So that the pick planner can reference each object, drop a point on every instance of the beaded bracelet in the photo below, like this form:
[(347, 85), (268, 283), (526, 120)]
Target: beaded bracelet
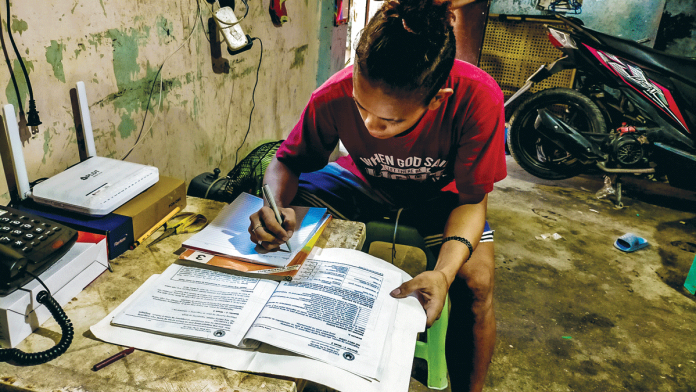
[(462, 240)]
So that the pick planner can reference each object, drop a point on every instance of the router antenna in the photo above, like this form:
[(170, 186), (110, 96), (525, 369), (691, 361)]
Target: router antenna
[(15, 142), (87, 134)]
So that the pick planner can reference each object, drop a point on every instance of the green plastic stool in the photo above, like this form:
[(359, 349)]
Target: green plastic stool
[(433, 349), (690, 283)]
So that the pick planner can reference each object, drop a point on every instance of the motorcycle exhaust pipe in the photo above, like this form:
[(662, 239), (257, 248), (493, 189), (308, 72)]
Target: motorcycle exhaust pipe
[(605, 169), (565, 137)]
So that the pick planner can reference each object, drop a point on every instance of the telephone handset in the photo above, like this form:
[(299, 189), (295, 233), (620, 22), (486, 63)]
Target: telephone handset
[(29, 244)]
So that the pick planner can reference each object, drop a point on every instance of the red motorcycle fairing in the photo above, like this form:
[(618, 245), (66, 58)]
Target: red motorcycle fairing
[(635, 77)]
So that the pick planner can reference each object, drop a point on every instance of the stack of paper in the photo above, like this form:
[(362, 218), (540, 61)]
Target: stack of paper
[(228, 235)]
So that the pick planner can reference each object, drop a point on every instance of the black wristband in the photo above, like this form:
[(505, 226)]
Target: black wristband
[(462, 240)]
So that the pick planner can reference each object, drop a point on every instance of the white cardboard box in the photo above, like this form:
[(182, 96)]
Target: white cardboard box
[(21, 314)]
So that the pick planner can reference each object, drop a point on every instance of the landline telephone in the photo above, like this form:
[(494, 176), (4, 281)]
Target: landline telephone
[(29, 245)]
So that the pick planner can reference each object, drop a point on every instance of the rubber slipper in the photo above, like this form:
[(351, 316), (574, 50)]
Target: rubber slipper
[(630, 242)]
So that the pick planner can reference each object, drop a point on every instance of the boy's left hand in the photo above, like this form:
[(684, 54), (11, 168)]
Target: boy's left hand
[(430, 287)]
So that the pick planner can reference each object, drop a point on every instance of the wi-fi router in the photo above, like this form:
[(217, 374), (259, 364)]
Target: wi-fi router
[(95, 187)]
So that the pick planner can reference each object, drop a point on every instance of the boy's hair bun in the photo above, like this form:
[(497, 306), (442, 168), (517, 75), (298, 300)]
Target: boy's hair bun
[(420, 16), (408, 47)]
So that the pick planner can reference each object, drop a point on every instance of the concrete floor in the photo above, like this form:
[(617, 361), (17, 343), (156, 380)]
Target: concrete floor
[(576, 314)]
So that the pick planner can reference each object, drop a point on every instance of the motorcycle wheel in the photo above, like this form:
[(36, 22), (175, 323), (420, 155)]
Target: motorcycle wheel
[(534, 152)]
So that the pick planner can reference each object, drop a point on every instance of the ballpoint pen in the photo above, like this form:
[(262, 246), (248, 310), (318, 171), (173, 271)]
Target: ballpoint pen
[(268, 195)]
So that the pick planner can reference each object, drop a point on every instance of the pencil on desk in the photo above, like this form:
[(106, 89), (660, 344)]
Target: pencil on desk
[(112, 359), (155, 227)]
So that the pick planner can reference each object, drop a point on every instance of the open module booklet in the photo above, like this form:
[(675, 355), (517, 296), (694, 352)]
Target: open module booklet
[(337, 311)]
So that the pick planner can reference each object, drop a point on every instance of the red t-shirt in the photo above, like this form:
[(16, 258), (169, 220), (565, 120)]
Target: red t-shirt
[(463, 140)]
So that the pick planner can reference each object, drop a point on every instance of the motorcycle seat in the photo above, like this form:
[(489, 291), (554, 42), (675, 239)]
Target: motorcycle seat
[(683, 68)]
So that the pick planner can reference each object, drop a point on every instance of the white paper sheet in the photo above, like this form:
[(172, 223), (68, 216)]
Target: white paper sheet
[(200, 304), (325, 312), (228, 233), (397, 357)]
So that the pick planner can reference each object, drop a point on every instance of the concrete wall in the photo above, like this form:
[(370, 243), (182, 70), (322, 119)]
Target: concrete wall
[(630, 19), (676, 34), (116, 47), (333, 41), (360, 13)]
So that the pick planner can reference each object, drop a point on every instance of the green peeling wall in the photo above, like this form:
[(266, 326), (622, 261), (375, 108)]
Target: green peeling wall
[(151, 75)]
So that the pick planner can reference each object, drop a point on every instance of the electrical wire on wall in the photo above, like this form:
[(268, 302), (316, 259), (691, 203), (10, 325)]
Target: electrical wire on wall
[(253, 104), (22, 118), (253, 101), (33, 115), (140, 138)]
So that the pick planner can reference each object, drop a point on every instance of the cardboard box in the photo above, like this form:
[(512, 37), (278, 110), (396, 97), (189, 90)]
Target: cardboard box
[(118, 229), (127, 223), (151, 206), (21, 314)]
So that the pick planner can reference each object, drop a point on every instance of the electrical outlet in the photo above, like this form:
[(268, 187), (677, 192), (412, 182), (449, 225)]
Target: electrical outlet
[(231, 30)]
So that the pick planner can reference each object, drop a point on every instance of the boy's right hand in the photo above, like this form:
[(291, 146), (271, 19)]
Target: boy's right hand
[(265, 230)]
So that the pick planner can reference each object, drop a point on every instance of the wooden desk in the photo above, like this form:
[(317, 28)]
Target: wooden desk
[(140, 371)]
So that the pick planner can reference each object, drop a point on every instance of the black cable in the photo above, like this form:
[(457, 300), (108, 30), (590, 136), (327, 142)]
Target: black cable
[(20, 357), (19, 57), (32, 114), (396, 226), (253, 102), (245, 11), (9, 67), (149, 98), (38, 181), (147, 108), (207, 33)]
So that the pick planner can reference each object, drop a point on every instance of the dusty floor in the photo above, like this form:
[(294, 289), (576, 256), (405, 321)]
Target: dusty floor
[(576, 314)]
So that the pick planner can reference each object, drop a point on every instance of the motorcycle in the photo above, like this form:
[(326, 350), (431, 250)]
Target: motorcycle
[(632, 111)]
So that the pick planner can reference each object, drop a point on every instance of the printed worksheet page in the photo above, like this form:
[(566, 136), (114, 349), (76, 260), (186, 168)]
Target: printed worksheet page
[(333, 311), (199, 304)]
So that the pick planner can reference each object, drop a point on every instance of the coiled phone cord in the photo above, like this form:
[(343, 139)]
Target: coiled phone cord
[(20, 357)]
